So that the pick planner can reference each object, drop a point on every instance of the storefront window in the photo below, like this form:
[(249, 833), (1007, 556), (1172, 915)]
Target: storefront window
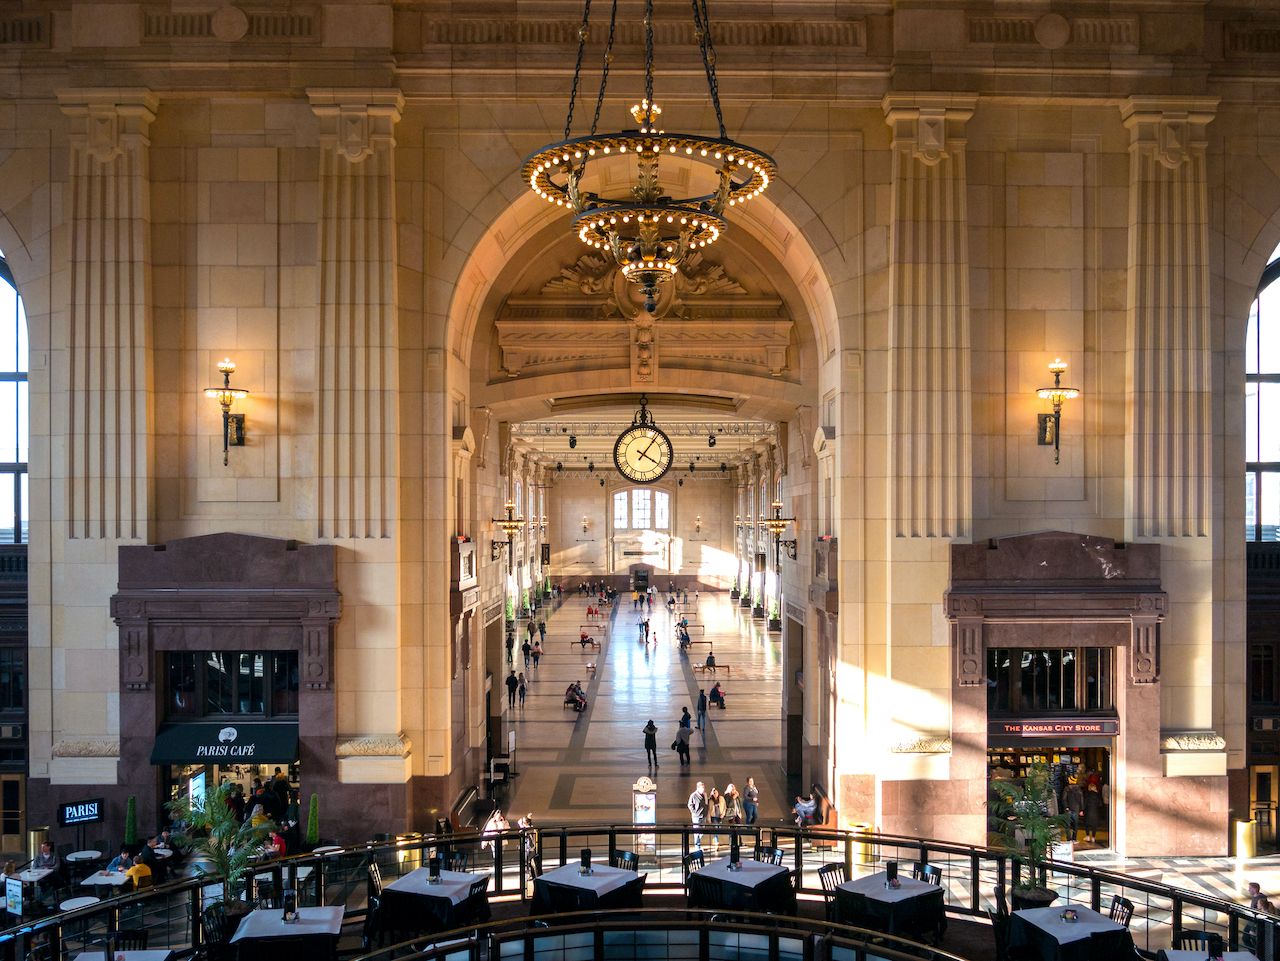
[(1262, 673), (1049, 680), (231, 683)]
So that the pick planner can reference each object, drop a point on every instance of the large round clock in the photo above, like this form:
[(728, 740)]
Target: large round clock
[(642, 452)]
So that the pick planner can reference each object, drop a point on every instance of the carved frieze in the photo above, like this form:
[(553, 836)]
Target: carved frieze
[(374, 745), (87, 747), (923, 744), (1193, 741)]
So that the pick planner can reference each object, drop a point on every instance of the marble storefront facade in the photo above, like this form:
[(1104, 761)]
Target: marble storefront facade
[(329, 194)]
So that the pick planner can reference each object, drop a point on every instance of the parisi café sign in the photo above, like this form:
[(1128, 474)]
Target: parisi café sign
[(1053, 727), (196, 743)]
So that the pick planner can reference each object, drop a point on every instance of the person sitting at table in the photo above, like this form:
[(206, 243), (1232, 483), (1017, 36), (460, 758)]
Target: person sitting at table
[(584, 639), (276, 844), (258, 816), (711, 661), (573, 695), (151, 858), (804, 810), (137, 872), (46, 858), (122, 861), (716, 697), (685, 642)]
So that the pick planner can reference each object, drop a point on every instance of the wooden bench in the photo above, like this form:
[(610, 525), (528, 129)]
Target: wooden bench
[(599, 626), (703, 669), (591, 643)]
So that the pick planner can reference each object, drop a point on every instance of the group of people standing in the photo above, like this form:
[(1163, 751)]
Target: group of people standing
[(728, 807)]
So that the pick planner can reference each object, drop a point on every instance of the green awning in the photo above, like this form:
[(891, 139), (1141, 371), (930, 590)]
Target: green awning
[(231, 742)]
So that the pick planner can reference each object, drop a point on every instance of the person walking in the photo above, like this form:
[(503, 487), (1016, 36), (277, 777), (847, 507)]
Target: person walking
[(1093, 820), (702, 709), (1073, 806), (511, 645), (513, 685), (537, 653), (697, 805), (686, 720), (542, 630), (526, 649), (651, 744), (750, 801), (522, 691), (681, 743)]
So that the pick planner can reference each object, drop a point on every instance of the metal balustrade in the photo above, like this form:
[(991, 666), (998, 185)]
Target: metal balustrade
[(171, 912)]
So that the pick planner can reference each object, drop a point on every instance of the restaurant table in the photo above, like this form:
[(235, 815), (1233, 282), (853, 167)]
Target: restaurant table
[(411, 904), (263, 934), (326, 849), (108, 878), (32, 875), (162, 853), (759, 886), (150, 954), (913, 907), (72, 904), (566, 889), (83, 856), (1043, 933), (1184, 954)]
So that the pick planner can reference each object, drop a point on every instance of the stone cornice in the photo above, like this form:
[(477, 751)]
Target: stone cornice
[(374, 745), (87, 747)]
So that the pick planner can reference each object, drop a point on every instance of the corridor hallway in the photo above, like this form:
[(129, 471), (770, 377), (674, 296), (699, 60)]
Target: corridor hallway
[(580, 767)]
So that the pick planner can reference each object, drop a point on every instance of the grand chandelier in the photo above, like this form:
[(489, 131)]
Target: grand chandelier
[(647, 231)]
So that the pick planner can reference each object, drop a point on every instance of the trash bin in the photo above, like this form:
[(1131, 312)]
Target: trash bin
[(35, 838), (858, 850), (1246, 838)]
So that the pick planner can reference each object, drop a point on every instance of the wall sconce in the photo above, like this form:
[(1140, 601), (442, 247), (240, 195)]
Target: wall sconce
[(1049, 426), (697, 524), (508, 525), (584, 523), (226, 395), (775, 525)]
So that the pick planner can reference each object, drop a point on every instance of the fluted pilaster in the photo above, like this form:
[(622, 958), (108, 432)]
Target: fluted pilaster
[(356, 366), (1170, 390), (930, 460), (108, 470)]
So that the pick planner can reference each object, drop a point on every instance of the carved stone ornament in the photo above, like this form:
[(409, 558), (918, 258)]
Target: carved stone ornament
[(106, 123), (355, 124), (923, 744), (374, 745), (595, 275), (1193, 741), (644, 785), (87, 747)]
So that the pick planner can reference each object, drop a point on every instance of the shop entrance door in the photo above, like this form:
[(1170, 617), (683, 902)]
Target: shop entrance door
[(13, 803)]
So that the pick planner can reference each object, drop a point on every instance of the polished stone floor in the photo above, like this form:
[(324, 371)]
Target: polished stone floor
[(580, 767)]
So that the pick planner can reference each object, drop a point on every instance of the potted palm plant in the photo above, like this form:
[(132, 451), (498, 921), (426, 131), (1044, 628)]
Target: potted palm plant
[(1032, 831), (222, 845), (775, 617)]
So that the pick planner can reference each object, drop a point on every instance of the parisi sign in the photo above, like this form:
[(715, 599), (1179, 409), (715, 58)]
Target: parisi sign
[(226, 746), (80, 812)]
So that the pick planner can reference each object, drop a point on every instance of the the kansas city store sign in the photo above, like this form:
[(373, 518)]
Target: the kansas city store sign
[(226, 746), (1052, 727)]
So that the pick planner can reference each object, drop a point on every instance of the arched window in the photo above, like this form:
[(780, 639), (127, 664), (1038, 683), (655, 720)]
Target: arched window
[(13, 411), (1262, 400), (641, 508)]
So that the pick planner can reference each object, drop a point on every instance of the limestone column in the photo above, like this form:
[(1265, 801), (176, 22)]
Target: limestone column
[(356, 366), (108, 375), (1169, 391), (930, 454)]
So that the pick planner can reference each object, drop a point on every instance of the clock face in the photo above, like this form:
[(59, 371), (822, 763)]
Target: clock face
[(642, 454)]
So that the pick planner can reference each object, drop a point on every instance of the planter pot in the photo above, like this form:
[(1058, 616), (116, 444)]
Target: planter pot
[(735, 594), (744, 602), (775, 625), (1032, 898), (757, 612)]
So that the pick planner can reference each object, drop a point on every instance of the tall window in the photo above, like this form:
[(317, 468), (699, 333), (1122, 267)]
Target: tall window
[(1262, 393), (641, 509), (261, 683), (1069, 680), (13, 411)]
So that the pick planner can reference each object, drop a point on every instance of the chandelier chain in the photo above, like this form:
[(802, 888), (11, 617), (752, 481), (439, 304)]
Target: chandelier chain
[(604, 68), (702, 24), (577, 67), (648, 51)]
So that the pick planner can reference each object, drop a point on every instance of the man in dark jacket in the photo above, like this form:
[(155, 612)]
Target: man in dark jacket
[(697, 805), (513, 684)]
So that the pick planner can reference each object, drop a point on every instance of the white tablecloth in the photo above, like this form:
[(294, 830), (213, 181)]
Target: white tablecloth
[(601, 880), (83, 855), (1200, 955), (151, 954), (1049, 920), (753, 873), (454, 885), (109, 878), (267, 923), (873, 887), (31, 875), (73, 904)]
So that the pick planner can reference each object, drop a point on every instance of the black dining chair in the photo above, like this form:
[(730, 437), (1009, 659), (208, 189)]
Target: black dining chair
[(702, 891), (1121, 910), (1211, 941), (478, 898), (627, 860), (927, 873), (130, 939), (213, 925), (769, 855), (1000, 925), (375, 880), (694, 859), (831, 876), (455, 861)]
